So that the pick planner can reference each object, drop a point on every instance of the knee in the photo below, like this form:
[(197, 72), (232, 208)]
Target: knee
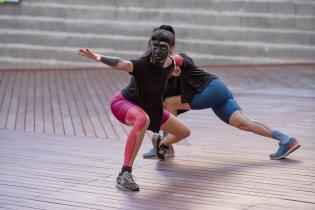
[(184, 133), (142, 121)]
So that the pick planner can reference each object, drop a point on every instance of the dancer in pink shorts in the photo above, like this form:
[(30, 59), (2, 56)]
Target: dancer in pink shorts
[(140, 104)]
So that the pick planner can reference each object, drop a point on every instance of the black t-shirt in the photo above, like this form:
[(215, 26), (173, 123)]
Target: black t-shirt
[(147, 87), (173, 87), (191, 81)]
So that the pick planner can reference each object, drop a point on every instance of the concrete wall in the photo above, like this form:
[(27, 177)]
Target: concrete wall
[(46, 33)]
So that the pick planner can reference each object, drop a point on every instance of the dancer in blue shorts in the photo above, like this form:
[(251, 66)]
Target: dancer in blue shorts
[(202, 90)]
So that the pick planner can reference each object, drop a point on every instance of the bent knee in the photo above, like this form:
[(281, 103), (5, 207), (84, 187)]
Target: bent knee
[(184, 133), (142, 121)]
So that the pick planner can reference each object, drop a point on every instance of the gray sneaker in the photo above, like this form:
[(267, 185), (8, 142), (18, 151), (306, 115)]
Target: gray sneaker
[(126, 181)]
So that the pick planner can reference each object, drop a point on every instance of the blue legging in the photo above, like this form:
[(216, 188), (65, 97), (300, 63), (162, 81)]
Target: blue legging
[(217, 96)]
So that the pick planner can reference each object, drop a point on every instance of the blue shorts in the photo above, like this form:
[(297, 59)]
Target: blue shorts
[(217, 96)]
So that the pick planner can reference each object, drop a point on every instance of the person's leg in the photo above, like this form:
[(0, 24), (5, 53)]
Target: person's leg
[(214, 94), (151, 153), (239, 120), (129, 114), (140, 122), (287, 144), (173, 105), (231, 113), (176, 131), (218, 97)]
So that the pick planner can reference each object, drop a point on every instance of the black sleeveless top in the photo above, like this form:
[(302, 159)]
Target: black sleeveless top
[(192, 80), (147, 87)]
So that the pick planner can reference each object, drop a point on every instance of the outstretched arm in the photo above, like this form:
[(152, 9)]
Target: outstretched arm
[(115, 62)]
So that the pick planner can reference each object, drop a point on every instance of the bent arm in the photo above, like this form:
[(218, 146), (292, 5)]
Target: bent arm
[(115, 62)]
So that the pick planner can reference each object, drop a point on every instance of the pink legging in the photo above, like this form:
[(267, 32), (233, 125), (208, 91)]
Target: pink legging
[(125, 110)]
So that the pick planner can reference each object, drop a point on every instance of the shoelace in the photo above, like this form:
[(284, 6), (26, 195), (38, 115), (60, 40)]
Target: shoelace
[(162, 150), (129, 177)]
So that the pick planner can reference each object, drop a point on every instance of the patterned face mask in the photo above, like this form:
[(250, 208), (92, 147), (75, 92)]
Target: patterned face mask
[(159, 52)]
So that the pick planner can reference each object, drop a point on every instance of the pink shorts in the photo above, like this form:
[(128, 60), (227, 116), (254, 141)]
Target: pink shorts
[(120, 105)]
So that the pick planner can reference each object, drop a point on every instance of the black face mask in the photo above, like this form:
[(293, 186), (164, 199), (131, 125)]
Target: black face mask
[(159, 52)]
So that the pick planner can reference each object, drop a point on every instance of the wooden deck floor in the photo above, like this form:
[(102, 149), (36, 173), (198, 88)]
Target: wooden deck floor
[(61, 148)]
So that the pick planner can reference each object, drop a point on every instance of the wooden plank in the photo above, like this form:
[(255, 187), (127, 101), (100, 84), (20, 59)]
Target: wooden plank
[(73, 109), (21, 112), (94, 96), (39, 113), (87, 124), (2, 85), (6, 102), (90, 106), (2, 74), (5, 79), (12, 113), (104, 97), (47, 104), (55, 104), (30, 107), (64, 107)]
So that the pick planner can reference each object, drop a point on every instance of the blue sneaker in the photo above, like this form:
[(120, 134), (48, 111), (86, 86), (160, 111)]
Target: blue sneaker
[(150, 154), (285, 149)]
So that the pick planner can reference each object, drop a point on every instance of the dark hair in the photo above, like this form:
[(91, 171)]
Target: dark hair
[(165, 27), (164, 35)]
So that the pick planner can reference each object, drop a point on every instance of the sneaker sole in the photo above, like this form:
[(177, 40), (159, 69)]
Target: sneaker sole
[(169, 155), (152, 157), (295, 147), (121, 187)]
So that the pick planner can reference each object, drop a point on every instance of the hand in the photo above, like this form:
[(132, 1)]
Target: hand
[(176, 71), (89, 54)]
